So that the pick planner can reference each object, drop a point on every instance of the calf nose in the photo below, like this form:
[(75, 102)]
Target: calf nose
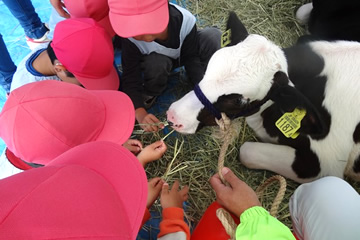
[(170, 116), (172, 120)]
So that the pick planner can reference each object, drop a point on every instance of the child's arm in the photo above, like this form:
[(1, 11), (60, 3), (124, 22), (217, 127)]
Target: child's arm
[(173, 225), (154, 188), (255, 222), (131, 80), (190, 57), (132, 84)]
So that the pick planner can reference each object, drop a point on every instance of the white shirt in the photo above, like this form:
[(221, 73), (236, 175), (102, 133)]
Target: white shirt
[(22, 76)]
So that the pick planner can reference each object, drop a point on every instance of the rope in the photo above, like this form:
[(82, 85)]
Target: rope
[(224, 124), (227, 221), (224, 216), (279, 196)]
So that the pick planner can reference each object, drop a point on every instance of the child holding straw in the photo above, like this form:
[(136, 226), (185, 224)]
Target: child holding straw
[(158, 37), (41, 120)]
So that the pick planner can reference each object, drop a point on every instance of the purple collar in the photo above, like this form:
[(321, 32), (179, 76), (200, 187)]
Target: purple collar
[(211, 108), (208, 105)]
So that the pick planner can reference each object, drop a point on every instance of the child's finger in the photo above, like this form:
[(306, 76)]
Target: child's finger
[(161, 146), (155, 181), (137, 143), (175, 186), (184, 191), (185, 197), (165, 188), (158, 186)]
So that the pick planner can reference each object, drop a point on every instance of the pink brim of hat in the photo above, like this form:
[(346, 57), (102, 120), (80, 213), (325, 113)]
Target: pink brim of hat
[(16, 161), (120, 116), (109, 82), (134, 25), (96, 190)]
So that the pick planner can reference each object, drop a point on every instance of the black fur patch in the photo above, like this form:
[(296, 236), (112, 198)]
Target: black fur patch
[(306, 164), (232, 105), (335, 20), (356, 166), (356, 135), (304, 67), (238, 30)]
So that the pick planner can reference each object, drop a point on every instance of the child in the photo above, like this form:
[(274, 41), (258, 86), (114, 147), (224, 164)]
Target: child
[(81, 53), (96, 190), (95, 9), (325, 209), (7, 67), (41, 120), (172, 225), (36, 32), (160, 37), (75, 197)]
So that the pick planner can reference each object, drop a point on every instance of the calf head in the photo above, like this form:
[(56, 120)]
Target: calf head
[(238, 79)]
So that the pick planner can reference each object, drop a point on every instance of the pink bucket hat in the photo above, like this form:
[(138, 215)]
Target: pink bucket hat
[(86, 50), (131, 18), (41, 120), (96, 190), (96, 9)]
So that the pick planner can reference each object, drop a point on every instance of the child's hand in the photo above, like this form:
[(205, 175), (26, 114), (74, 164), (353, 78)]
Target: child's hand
[(152, 152), (173, 197), (237, 197), (133, 146), (148, 121), (154, 188)]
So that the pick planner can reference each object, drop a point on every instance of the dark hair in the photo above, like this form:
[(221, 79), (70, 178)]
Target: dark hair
[(52, 56)]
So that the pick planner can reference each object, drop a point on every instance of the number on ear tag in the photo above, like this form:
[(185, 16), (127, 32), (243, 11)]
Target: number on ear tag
[(226, 38), (289, 123)]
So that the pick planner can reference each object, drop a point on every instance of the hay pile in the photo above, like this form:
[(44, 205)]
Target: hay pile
[(193, 158)]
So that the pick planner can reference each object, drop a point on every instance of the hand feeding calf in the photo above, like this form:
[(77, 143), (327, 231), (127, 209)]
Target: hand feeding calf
[(314, 87)]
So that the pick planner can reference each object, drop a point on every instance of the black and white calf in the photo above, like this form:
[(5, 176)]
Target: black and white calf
[(258, 79)]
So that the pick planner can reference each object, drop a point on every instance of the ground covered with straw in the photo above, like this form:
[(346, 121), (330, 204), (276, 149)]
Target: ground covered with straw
[(193, 158)]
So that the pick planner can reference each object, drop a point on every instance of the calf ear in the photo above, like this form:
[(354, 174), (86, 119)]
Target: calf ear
[(238, 30), (287, 98)]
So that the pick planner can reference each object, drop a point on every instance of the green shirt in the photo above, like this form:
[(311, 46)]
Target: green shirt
[(257, 224)]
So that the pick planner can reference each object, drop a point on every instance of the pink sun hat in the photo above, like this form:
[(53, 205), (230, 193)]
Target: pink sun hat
[(96, 9), (85, 49), (96, 190), (41, 120), (131, 18)]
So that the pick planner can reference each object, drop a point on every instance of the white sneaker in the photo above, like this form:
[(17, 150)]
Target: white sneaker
[(303, 13), (33, 43)]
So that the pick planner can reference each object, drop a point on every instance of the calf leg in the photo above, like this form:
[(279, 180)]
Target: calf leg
[(280, 159)]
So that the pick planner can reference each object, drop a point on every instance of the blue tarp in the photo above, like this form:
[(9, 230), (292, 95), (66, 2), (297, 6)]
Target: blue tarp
[(14, 37)]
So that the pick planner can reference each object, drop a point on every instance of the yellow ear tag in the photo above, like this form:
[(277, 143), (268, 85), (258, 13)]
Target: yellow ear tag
[(226, 38), (289, 123)]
